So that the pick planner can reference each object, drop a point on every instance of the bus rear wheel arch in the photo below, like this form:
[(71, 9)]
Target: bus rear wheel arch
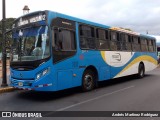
[(141, 70), (89, 79)]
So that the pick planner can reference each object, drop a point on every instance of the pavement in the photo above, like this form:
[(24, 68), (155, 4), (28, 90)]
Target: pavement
[(6, 88)]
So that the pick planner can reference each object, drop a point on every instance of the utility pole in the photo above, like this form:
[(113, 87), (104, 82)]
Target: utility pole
[(4, 77)]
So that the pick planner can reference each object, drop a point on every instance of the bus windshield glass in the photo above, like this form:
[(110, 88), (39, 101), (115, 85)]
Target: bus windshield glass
[(30, 44)]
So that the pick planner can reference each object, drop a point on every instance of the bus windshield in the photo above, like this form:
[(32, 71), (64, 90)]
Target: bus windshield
[(30, 44)]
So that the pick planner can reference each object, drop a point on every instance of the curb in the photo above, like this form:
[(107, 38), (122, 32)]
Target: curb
[(7, 89)]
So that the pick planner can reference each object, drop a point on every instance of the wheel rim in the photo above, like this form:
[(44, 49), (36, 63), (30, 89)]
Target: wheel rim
[(88, 79)]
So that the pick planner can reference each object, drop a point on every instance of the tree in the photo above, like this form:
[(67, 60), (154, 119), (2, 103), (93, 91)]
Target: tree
[(9, 22)]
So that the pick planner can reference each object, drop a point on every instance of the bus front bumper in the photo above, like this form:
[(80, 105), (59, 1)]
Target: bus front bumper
[(31, 85)]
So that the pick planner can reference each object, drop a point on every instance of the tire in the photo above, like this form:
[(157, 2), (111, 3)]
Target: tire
[(141, 71), (88, 80)]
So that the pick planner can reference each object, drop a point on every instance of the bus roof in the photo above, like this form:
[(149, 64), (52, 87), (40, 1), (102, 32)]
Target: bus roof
[(52, 14), (78, 20)]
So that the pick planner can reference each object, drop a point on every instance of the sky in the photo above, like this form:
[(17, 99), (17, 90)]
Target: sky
[(139, 15)]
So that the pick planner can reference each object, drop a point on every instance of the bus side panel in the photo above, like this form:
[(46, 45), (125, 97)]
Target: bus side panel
[(117, 60), (64, 79), (93, 58), (151, 64), (132, 67), (68, 73), (127, 63), (77, 77), (104, 73)]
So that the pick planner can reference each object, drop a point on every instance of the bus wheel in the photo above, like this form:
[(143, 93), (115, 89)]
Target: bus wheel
[(141, 71), (88, 80)]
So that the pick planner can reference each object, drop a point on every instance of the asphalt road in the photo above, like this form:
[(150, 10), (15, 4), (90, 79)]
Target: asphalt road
[(123, 94)]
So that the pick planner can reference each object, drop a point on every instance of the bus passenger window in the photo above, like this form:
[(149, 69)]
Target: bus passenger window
[(119, 42), (87, 40), (128, 42), (107, 34), (102, 41), (150, 45), (56, 43), (144, 45), (113, 42), (123, 41), (154, 45), (63, 43), (114, 36), (64, 40), (135, 44)]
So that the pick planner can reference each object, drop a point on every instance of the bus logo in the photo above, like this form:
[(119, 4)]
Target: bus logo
[(116, 56), (21, 75)]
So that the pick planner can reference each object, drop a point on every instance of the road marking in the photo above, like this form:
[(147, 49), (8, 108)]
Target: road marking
[(65, 108), (107, 94)]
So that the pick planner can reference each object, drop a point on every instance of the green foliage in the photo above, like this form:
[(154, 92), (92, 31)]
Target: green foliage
[(9, 22)]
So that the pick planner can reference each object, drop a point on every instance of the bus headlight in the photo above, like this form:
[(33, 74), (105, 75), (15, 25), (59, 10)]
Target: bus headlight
[(38, 76), (45, 72), (42, 73)]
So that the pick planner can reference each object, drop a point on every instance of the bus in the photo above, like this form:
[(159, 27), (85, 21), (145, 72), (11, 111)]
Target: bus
[(52, 51), (158, 50)]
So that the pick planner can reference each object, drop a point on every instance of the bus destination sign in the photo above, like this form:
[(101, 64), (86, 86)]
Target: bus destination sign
[(27, 20)]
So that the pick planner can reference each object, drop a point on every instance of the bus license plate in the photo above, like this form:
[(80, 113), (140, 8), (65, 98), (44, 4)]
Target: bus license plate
[(20, 84)]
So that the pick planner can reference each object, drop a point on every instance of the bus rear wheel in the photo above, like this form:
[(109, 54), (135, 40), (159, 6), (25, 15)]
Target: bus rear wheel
[(88, 80), (141, 71)]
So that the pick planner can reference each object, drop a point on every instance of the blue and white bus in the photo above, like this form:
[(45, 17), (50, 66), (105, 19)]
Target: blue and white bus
[(53, 51)]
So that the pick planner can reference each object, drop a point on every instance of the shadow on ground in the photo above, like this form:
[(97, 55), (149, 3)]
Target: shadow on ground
[(50, 96)]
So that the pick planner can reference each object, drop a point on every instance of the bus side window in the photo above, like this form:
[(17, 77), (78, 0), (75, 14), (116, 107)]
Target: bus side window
[(102, 41), (150, 45), (123, 41), (144, 45), (135, 43), (119, 41), (128, 42), (87, 37), (113, 42), (63, 44), (64, 40), (154, 45), (56, 45)]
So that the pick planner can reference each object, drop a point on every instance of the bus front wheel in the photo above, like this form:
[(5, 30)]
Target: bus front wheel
[(141, 71), (88, 80)]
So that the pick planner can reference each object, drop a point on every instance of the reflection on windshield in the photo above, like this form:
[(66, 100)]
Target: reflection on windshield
[(30, 44)]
